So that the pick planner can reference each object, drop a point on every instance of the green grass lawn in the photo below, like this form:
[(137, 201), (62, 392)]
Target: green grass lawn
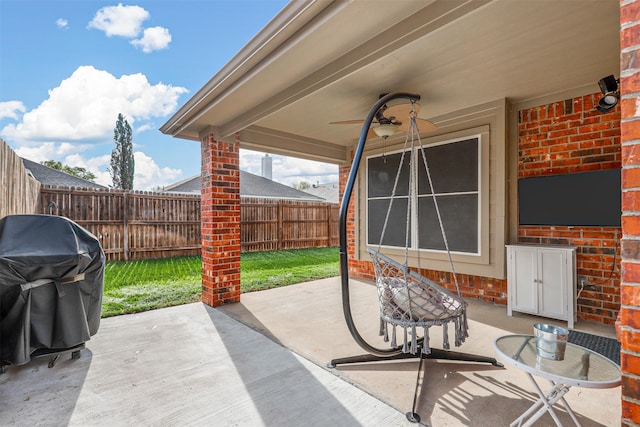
[(135, 286), (264, 270)]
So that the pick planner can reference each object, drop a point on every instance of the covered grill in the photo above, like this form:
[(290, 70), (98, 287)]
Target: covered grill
[(51, 283)]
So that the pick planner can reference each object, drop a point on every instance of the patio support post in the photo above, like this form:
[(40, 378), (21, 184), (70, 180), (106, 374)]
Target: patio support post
[(220, 220), (630, 279)]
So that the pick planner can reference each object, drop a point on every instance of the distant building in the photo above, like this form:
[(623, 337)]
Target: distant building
[(329, 192), (267, 166), (186, 186)]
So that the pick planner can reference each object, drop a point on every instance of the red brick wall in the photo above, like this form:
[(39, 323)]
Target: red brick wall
[(630, 288), (220, 222), (568, 137)]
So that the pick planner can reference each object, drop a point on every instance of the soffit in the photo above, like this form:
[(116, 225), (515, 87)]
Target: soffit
[(455, 54)]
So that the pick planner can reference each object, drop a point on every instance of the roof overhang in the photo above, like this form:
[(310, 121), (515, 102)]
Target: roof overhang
[(322, 61)]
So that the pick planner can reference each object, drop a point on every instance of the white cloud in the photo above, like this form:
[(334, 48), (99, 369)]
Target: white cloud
[(148, 175), (80, 114), (125, 21), (96, 165), (38, 154), (154, 38), (62, 23), (92, 164), (65, 148), (86, 105), (145, 127), (51, 151), (10, 109)]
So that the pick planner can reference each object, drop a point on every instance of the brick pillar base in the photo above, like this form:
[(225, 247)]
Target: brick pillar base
[(220, 221)]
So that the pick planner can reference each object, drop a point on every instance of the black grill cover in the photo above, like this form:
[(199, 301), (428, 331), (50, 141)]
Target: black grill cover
[(51, 282)]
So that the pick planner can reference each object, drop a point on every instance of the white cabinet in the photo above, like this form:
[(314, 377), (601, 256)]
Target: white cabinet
[(541, 280)]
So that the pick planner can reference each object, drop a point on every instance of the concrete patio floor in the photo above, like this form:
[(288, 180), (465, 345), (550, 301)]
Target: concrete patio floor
[(262, 362)]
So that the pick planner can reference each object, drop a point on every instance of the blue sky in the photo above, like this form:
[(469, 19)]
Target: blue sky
[(67, 68)]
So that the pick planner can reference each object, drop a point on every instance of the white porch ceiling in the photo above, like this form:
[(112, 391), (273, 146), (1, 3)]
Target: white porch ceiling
[(324, 61)]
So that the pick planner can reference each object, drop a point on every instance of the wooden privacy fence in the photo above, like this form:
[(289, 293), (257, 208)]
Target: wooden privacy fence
[(274, 224), (130, 224), (140, 225), (18, 191)]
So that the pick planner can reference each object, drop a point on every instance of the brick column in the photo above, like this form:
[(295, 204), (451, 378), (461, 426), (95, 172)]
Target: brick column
[(220, 221), (630, 286)]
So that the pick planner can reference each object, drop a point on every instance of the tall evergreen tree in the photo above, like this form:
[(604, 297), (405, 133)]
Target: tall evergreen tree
[(122, 162)]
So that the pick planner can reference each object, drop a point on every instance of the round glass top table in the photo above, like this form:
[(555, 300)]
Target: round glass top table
[(580, 367)]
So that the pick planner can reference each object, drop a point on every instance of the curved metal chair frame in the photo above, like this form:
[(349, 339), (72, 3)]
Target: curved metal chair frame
[(398, 289)]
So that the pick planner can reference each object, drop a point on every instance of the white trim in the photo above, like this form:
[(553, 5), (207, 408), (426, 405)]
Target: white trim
[(415, 197)]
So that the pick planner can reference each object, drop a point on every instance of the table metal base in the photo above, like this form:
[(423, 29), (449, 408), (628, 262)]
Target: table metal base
[(545, 404)]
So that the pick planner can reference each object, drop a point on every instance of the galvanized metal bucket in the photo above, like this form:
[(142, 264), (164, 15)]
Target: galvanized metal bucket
[(551, 341)]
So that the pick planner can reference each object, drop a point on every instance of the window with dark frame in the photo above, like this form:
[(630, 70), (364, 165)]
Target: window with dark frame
[(454, 167)]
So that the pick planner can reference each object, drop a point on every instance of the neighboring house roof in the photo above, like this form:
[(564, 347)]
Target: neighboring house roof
[(50, 176), (329, 192), (257, 186), (250, 186), (189, 185)]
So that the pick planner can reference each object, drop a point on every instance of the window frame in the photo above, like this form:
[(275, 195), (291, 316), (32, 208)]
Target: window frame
[(490, 262), (416, 165)]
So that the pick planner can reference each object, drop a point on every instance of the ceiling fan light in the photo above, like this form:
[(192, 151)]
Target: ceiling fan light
[(386, 130)]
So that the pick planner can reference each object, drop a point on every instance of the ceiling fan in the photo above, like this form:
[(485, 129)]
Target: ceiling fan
[(394, 119)]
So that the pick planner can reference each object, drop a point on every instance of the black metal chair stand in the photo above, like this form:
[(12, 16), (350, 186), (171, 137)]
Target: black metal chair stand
[(375, 354)]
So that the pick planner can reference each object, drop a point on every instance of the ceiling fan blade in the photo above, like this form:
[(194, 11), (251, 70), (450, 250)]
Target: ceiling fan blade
[(401, 113), (424, 125), (351, 122)]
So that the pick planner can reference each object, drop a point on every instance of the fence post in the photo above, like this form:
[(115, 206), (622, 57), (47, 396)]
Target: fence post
[(126, 226), (328, 207), (280, 231)]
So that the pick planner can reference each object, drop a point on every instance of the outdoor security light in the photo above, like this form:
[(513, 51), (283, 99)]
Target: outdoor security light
[(609, 87)]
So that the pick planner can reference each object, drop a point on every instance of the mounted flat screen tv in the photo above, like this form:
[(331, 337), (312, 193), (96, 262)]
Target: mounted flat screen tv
[(578, 199)]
